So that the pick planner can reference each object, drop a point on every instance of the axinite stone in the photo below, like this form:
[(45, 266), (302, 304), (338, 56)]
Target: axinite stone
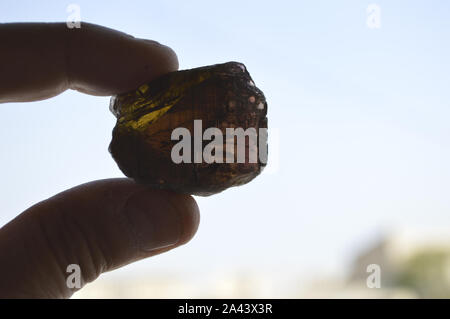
[(221, 96)]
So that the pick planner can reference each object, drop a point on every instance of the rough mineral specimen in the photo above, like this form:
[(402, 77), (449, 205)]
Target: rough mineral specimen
[(221, 96)]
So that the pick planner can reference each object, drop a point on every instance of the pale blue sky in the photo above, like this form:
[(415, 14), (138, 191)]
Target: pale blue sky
[(362, 113)]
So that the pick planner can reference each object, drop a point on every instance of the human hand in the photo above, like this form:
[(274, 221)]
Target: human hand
[(101, 225)]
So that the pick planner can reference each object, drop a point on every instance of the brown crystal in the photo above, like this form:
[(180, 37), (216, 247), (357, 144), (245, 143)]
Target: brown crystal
[(222, 96)]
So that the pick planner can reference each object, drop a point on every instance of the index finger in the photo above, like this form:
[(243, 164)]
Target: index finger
[(41, 60)]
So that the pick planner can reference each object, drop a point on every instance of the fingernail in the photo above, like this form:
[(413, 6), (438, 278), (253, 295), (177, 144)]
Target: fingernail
[(156, 44), (152, 42), (155, 222)]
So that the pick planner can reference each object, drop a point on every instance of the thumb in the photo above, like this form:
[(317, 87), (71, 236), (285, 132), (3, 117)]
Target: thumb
[(98, 226)]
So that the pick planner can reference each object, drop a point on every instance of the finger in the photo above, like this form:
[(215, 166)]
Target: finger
[(98, 226), (41, 60)]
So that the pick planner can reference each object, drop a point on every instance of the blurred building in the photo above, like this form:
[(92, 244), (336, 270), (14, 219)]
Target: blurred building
[(413, 263), (412, 260)]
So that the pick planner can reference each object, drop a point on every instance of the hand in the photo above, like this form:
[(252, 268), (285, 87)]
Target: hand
[(101, 225)]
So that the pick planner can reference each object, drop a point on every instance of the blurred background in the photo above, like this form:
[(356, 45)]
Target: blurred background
[(358, 179)]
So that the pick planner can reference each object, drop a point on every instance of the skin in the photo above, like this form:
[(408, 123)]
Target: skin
[(101, 225)]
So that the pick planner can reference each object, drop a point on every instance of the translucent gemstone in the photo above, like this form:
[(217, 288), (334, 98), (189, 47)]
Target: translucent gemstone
[(218, 95)]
